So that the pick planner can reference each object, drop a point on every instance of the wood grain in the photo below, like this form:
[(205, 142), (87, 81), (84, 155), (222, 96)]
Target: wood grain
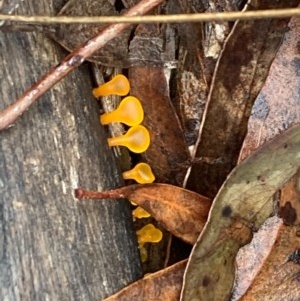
[(51, 246)]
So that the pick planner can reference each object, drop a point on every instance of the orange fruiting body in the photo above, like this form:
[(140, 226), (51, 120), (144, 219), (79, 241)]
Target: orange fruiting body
[(140, 212), (119, 85), (141, 173), (137, 139), (129, 112), (149, 234)]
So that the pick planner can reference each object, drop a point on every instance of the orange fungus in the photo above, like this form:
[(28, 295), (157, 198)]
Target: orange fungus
[(149, 234), (137, 139), (141, 173), (119, 85), (140, 212), (129, 112)]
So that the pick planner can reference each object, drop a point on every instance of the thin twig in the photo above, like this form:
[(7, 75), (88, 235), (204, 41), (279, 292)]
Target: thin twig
[(201, 17), (73, 60), (98, 195)]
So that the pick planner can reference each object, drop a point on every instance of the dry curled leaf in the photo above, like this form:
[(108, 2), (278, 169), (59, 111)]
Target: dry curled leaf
[(243, 203), (180, 211), (164, 285)]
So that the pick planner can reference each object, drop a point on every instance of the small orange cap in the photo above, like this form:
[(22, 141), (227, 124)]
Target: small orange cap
[(137, 139), (141, 173), (119, 85), (149, 234), (129, 112)]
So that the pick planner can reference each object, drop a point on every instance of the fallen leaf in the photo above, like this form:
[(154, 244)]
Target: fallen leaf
[(168, 154), (242, 205), (252, 257), (280, 275), (200, 45), (277, 106), (275, 109), (180, 211), (275, 274), (164, 285), (289, 205), (239, 75)]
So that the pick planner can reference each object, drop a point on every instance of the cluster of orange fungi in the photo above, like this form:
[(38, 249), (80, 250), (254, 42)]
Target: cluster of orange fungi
[(137, 140)]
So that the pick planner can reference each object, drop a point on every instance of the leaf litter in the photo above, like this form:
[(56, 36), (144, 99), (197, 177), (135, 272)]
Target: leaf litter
[(242, 205), (180, 211), (239, 231)]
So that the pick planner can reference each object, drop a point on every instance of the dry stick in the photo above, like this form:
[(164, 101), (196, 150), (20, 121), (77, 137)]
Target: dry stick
[(73, 60), (97, 195), (178, 18)]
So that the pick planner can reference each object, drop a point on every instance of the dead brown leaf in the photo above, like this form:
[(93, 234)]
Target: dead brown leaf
[(167, 154), (180, 211), (243, 203), (200, 45), (279, 277), (277, 106), (289, 205), (252, 257), (164, 285), (240, 74), (275, 109)]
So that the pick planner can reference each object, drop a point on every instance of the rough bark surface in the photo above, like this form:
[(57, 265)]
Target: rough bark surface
[(53, 247)]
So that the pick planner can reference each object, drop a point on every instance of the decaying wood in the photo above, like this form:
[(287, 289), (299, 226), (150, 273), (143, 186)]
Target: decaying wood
[(51, 246), (69, 63), (114, 53)]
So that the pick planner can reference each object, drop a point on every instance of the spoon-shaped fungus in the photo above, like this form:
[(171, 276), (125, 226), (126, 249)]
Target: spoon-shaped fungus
[(137, 139), (130, 112), (119, 85), (149, 234), (140, 212), (141, 173)]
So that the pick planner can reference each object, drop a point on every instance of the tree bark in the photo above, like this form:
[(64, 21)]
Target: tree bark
[(53, 247)]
